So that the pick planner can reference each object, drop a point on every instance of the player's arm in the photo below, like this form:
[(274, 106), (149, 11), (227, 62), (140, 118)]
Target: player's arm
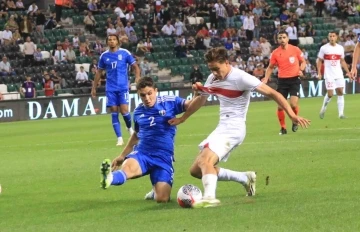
[(116, 163), (193, 106), (355, 59), (346, 68), (268, 73), (96, 81), (283, 103), (319, 63), (137, 71)]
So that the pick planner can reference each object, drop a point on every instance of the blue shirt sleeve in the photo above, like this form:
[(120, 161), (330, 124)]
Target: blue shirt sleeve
[(358, 39), (179, 105), (130, 59), (101, 63)]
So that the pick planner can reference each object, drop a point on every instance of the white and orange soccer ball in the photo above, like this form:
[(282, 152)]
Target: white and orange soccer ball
[(187, 195)]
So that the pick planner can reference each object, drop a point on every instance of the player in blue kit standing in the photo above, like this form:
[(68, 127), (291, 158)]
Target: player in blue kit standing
[(150, 150), (115, 62)]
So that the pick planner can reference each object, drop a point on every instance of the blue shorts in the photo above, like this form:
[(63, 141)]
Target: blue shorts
[(160, 168), (116, 98)]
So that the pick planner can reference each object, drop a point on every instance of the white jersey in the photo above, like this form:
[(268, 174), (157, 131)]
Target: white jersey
[(233, 93), (332, 56)]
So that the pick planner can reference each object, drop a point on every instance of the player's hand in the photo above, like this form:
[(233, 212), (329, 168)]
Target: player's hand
[(93, 92), (319, 76), (176, 121), (195, 86), (265, 80), (353, 73), (303, 122), (301, 74), (117, 162), (351, 77)]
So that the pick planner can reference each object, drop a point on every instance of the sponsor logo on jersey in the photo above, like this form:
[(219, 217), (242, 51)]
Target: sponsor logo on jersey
[(162, 112)]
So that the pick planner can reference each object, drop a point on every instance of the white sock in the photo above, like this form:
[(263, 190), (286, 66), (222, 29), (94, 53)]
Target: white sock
[(326, 102), (341, 104), (229, 175), (209, 182)]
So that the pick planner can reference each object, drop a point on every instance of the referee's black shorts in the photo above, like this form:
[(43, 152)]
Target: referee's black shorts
[(286, 86)]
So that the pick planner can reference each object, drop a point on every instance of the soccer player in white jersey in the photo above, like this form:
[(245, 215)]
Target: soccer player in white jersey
[(233, 88), (332, 55)]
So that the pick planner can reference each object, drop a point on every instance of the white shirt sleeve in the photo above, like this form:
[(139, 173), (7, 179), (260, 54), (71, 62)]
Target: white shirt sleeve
[(247, 82), (321, 53)]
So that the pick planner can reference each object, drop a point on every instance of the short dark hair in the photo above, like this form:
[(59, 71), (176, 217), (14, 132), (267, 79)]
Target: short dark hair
[(117, 38), (333, 32), (218, 54), (283, 32), (145, 82)]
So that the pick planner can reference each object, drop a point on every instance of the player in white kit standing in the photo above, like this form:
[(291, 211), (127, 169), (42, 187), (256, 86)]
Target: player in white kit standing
[(233, 87), (332, 54)]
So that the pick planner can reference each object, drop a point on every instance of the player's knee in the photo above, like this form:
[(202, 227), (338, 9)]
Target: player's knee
[(162, 198), (195, 171)]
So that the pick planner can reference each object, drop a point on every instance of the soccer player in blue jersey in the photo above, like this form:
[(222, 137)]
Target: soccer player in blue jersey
[(115, 62), (150, 150)]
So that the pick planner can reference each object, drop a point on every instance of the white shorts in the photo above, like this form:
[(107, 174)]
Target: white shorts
[(225, 138), (334, 83)]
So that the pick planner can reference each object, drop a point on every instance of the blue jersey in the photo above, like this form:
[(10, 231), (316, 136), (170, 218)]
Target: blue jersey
[(116, 66), (156, 135)]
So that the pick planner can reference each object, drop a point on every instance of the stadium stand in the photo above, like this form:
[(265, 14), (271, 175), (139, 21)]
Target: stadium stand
[(172, 35)]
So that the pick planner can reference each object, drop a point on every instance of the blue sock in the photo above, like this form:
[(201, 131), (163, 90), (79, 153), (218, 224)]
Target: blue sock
[(119, 178), (116, 123), (127, 119)]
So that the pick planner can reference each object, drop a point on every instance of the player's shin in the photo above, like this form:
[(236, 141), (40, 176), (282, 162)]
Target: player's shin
[(119, 177), (296, 110), (327, 100), (116, 123), (281, 117), (341, 104), (209, 182), (229, 175), (127, 120)]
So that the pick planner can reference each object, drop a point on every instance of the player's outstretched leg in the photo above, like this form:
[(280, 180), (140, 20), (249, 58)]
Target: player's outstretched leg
[(341, 105), (281, 117), (206, 162), (327, 100), (109, 178), (247, 179)]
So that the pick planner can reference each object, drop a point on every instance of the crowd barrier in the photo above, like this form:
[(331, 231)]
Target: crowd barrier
[(83, 105)]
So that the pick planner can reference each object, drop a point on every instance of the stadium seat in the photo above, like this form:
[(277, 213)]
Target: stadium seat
[(86, 67), (167, 85), (302, 40), (309, 40), (11, 88), (155, 78), (45, 54), (38, 86), (161, 64), (3, 88), (28, 70)]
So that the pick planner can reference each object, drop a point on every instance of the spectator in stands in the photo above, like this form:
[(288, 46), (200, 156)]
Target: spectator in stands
[(141, 49), (7, 36), (148, 45), (221, 14), (56, 79), (310, 31), (165, 14), (349, 47), (130, 18), (50, 23), (145, 67), (3, 10), (356, 29), (98, 47), (284, 17), (11, 5), (133, 38), (59, 55), (90, 22), (92, 7), (32, 9), (302, 30), (181, 50), (124, 39), (12, 24), (128, 29), (203, 9), (265, 47), (25, 27), (249, 26), (16, 38), (92, 74), (255, 47), (5, 67), (40, 20), (178, 27), (48, 86), (266, 14), (191, 43), (331, 6), (29, 50), (120, 14), (292, 34), (229, 46), (82, 77), (111, 30), (213, 33), (257, 26), (259, 71), (300, 11), (39, 37), (213, 16), (38, 58), (168, 29), (70, 55), (66, 44), (199, 42), (94, 64), (20, 5), (28, 88), (75, 41), (230, 10)]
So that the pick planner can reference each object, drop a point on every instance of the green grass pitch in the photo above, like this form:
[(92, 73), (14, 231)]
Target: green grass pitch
[(49, 172)]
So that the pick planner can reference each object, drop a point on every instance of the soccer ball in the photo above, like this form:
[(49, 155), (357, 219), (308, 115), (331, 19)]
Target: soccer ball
[(187, 195)]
